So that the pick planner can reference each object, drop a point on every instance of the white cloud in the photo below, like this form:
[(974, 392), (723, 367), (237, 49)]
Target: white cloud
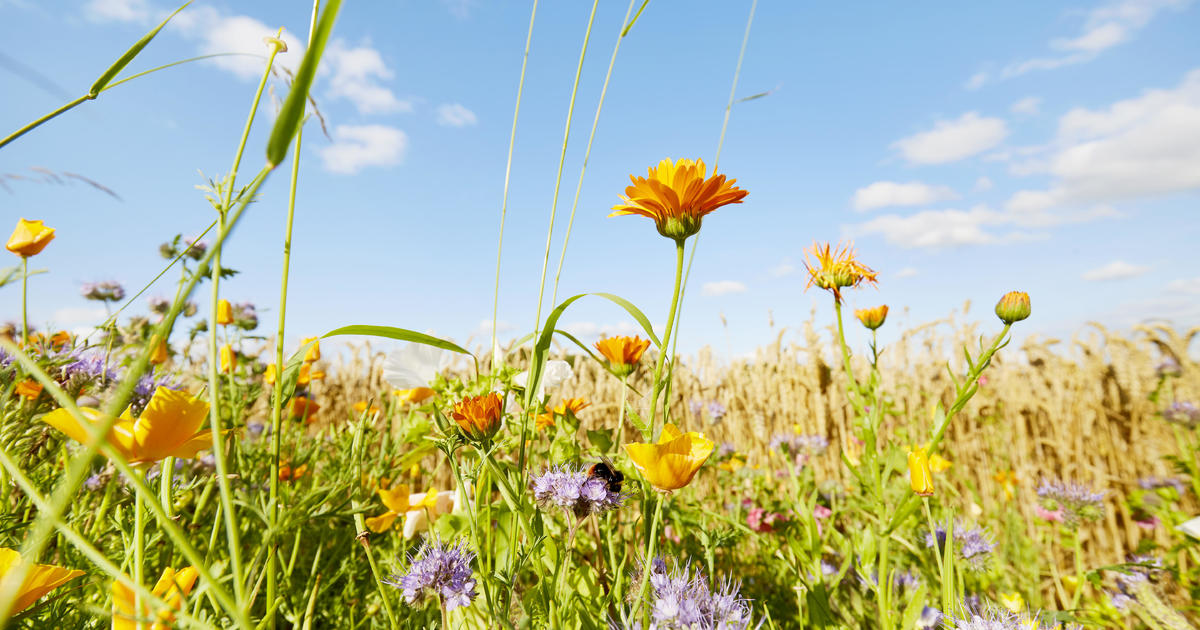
[(356, 75), (1115, 270), (216, 32), (1103, 28), (885, 194), (356, 147), (722, 287), (785, 268), (455, 115), (1139, 147), (953, 140), (1028, 106), (118, 10), (906, 272), (1185, 285), (983, 184), (80, 320), (979, 225), (485, 327)]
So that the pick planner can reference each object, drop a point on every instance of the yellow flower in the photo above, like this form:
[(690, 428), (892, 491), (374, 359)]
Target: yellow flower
[(571, 405), (314, 352), (168, 427), (872, 318), (361, 406), (677, 196), (416, 395), (224, 312), (398, 501), (671, 464), (479, 417), (623, 353), (29, 238), (269, 375), (835, 269), (172, 587), (1013, 307), (41, 579), (939, 464), (1008, 481), (919, 473), (228, 359), (304, 375), (733, 464), (1013, 602), (158, 355), (28, 389), (1070, 582)]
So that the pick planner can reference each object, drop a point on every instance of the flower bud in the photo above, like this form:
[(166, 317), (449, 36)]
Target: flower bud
[(919, 473), (872, 318), (228, 359), (1013, 307), (224, 312), (158, 356)]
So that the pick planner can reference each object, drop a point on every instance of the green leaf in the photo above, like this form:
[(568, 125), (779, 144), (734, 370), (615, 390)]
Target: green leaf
[(601, 439), (400, 334), (292, 112), (916, 604), (542, 348), (133, 51), (635, 312), (291, 370), (12, 274)]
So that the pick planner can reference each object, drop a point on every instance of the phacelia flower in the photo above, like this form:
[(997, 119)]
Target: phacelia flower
[(673, 461), (1013, 307), (622, 353), (441, 572), (41, 579), (29, 238), (1168, 367), (872, 318), (836, 269), (716, 410), (87, 370), (682, 599), (972, 545), (479, 417), (573, 490), (245, 316), (106, 291), (1155, 483), (1183, 413), (1077, 501), (677, 196), (989, 619), (799, 444)]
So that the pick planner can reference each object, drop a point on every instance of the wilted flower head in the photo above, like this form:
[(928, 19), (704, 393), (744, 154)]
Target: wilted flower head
[(574, 491), (682, 599), (972, 545), (677, 196), (196, 250), (158, 305), (835, 269), (107, 291), (1184, 413), (439, 571), (1077, 501)]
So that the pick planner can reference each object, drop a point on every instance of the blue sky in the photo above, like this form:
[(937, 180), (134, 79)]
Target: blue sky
[(968, 149)]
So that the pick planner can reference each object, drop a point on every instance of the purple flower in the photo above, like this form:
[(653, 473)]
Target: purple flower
[(1184, 412), (973, 545), (716, 410), (106, 291), (799, 444), (439, 570), (144, 390), (681, 598), (1154, 483), (87, 370), (1168, 367), (990, 619), (574, 491), (1076, 501)]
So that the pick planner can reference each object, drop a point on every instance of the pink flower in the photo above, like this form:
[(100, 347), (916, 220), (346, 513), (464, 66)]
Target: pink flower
[(1056, 516), (671, 535), (982, 380), (822, 512), (755, 520), (1148, 524)]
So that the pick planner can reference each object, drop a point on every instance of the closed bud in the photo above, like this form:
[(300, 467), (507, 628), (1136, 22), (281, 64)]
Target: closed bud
[(224, 312), (919, 473), (872, 318), (1013, 307), (159, 355), (228, 359)]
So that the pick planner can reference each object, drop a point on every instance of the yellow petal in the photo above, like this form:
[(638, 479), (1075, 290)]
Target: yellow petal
[(381, 523), (170, 419), (202, 441), (64, 421), (396, 499), (42, 579)]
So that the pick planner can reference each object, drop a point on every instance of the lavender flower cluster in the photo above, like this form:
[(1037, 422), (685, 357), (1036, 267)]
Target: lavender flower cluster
[(681, 598), (1077, 501), (799, 444), (106, 291), (972, 545), (1183, 413), (1154, 483), (574, 491), (441, 571)]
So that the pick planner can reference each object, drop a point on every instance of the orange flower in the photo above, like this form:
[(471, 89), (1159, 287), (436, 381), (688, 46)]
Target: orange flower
[(479, 417), (677, 196), (361, 406), (571, 405), (1008, 481), (172, 587), (41, 579), (29, 238), (224, 312), (623, 353), (287, 473), (872, 318), (304, 408), (836, 269), (28, 389), (60, 340), (416, 396), (314, 352)]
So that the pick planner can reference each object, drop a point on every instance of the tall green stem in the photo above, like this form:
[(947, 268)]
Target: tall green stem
[(664, 348), (648, 560), (24, 301), (139, 554), (1077, 547)]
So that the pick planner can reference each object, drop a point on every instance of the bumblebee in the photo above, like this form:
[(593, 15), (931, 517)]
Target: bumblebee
[(607, 472)]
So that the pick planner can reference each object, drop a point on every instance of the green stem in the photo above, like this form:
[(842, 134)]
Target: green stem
[(663, 349), (24, 300), (619, 434), (937, 554), (360, 522), (648, 560), (40, 121), (1077, 547), (139, 555)]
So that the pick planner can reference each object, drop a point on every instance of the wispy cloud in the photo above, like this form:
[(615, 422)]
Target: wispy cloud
[(906, 272), (785, 268), (1028, 106), (886, 194), (455, 115), (356, 76), (979, 225), (1115, 270), (953, 140), (722, 287), (356, 147)]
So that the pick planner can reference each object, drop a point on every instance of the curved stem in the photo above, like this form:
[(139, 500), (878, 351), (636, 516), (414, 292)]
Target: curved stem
[(664, 348), (648, 560)]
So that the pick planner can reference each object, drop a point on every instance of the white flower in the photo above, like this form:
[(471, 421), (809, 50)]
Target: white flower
[(413, 365), (418, 521), (555, 374), (1191, 528)]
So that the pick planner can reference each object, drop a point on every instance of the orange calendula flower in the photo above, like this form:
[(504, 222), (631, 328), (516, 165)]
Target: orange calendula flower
[(224, 312), (835, 269), (304, 408), (415, 396), (28, 389), (361, 406), (60, 340), (228, 359), (872, 318), (677, 196), (314, 351), (570, 405), (672, 463), (398, 501), (623, 353), (29, 238), (169, 426), (920, 475), (41, 579), (479, 417), (159, 355), (172, 587)]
